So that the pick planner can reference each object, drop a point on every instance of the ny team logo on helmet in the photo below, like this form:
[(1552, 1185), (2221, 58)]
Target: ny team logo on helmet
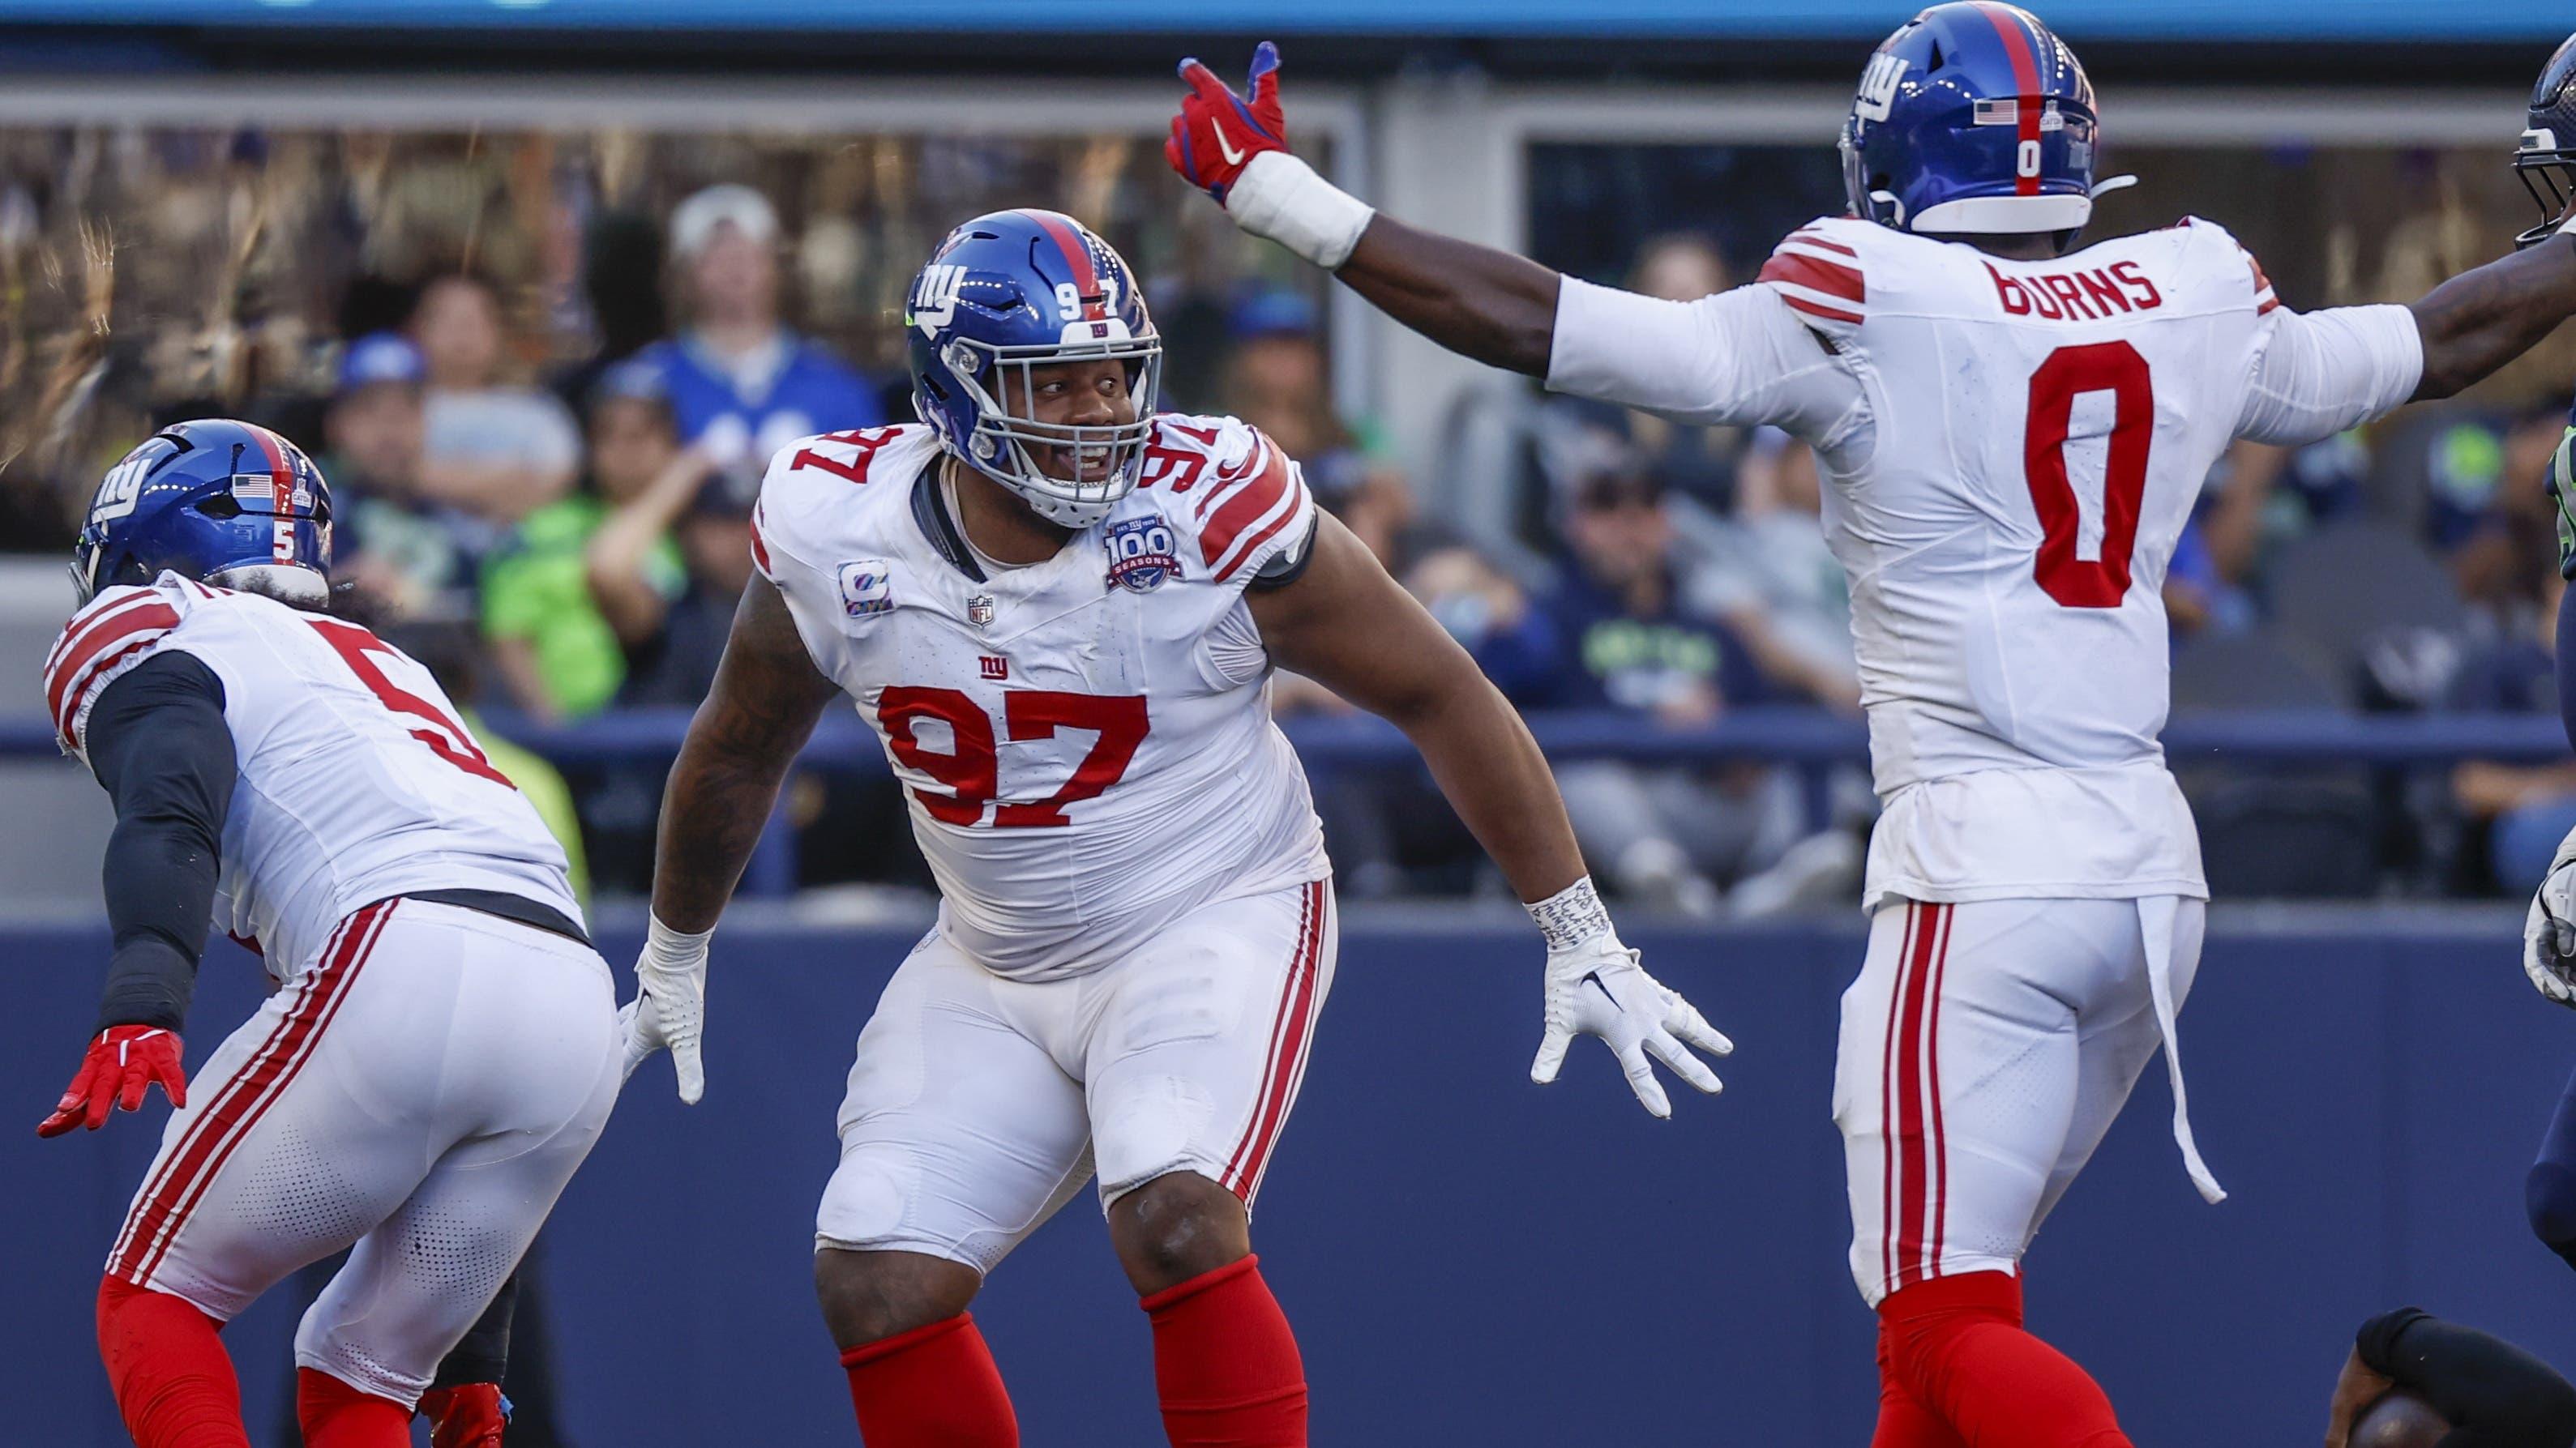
[(2546, 161), (1973, 118), (227, 503), (1010, 293)]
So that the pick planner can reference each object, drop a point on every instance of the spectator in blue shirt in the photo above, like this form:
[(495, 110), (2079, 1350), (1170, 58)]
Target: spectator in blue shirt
[(741, 384)]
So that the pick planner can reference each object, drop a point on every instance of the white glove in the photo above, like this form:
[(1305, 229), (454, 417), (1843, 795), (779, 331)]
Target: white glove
[(1595, 987), (670, 1005), (2549, 931)]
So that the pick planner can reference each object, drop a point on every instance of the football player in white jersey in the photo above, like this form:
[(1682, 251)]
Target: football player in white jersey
[(442, 1046), (2012, 431), (1060, 612)]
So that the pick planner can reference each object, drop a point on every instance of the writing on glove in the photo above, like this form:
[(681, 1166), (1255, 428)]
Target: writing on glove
[(116, 1071)]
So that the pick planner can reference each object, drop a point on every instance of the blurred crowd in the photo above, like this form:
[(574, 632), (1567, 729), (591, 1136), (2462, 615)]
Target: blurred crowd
[(544, 374)]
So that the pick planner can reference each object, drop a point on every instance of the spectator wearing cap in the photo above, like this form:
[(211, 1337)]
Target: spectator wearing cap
[(1630, 643), (585, 580), (1277, 380), (490, 447), (741, 385), (412, 557)]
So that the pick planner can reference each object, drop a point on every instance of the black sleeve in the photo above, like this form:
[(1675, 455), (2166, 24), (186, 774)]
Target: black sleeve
[(485, 1352), (2495, 1394), (157, 740)]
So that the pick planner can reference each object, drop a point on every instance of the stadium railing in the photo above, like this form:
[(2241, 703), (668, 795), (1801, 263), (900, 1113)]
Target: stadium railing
[(1812, 741)]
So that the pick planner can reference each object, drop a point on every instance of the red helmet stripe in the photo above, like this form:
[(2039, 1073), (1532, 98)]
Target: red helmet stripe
[(1077, 255), (2025, 64)]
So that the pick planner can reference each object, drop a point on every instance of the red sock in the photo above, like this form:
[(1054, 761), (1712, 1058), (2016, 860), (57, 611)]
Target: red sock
[(1226, 1363), (1956, 1344), (1903, 1421), (173, 1381), (932, 1387), (336, 1415)]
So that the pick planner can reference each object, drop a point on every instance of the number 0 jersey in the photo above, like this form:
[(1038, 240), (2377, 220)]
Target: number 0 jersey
[(2011, 450), (357, 782), (1085, 743)]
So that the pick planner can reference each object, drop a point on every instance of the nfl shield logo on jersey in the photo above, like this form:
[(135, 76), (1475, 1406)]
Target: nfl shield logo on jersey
[(866, 587), (1140, 553), (979, 610)]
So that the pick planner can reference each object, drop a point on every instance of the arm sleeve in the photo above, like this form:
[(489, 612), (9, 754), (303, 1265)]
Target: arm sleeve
[(484, 1353), (2322, 372), (2495, 1394), (158, 742), (1740, 357)]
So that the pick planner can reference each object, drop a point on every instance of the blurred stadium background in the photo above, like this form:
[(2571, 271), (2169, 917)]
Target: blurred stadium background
[(466, 251)]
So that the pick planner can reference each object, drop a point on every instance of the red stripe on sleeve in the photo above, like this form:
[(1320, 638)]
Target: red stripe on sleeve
[(1809, 236), (1247, 504), (1830, 314), (1816, 275), (98, 647), (760, 548)]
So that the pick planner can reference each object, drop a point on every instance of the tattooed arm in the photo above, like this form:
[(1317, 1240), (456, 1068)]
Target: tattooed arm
[(764, 705), (2485, 317)]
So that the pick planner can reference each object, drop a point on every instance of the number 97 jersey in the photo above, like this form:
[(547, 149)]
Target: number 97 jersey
[(357, 781), (1085, 743)]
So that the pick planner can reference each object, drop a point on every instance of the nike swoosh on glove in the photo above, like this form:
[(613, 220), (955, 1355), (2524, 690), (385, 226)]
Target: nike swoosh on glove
[(1598, 988), (2549, 929), (670, 1005), (1218, 132), (114, 1073)]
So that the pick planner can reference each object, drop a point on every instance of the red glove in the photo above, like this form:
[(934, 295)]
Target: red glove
[(1217, 134), (469, 1415), (121, 1063)]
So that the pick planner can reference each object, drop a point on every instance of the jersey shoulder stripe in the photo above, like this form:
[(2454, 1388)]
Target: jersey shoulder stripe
[(1820, 277), (1251, 502), (116, 632)]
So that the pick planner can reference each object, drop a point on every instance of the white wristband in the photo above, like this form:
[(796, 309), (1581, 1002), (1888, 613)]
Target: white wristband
[(669, 950), (1572, 917), (1279, 196)]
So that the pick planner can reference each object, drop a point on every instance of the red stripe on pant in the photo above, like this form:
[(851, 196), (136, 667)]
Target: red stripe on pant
[(1917, 1121), (1290, 1031), (200, 1158), (1939, 1153), (1887, 1104)]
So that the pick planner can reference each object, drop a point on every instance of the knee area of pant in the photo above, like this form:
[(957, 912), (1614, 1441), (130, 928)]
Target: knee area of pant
[(1178, 1226), (2549, 1197), (870, 1296)]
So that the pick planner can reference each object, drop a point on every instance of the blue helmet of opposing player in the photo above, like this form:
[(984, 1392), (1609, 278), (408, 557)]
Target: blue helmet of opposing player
[(227, 503), (2546, 161), (1973, 118), (1006, 295)]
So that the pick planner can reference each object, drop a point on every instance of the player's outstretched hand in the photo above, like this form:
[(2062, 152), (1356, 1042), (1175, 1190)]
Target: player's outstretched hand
[(2549, 930), (469, 1415), (670, 1006), (1598, 989), (1218, 132), (118, 1068)]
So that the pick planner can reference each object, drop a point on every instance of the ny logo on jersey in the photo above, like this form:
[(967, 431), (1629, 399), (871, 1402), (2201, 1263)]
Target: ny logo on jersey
[(1140, 553), (993, 667), (934, 302), (1878, 86)]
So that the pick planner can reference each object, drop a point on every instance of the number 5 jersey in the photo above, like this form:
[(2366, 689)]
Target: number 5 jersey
[(2011, 450), (357, 781), (1085, 743)]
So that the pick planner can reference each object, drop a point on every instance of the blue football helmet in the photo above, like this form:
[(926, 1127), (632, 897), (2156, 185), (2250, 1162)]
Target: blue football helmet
[(227, 503), (1009, 293), (1973, 118), (2546, 161)]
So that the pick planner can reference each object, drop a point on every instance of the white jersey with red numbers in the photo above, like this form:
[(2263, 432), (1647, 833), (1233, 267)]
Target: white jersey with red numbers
[(357, 781), (2011, 450), (1085, 743)]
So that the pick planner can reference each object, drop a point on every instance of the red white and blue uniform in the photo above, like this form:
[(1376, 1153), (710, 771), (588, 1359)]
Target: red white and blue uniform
[(2010, 450), (1136, 926)]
